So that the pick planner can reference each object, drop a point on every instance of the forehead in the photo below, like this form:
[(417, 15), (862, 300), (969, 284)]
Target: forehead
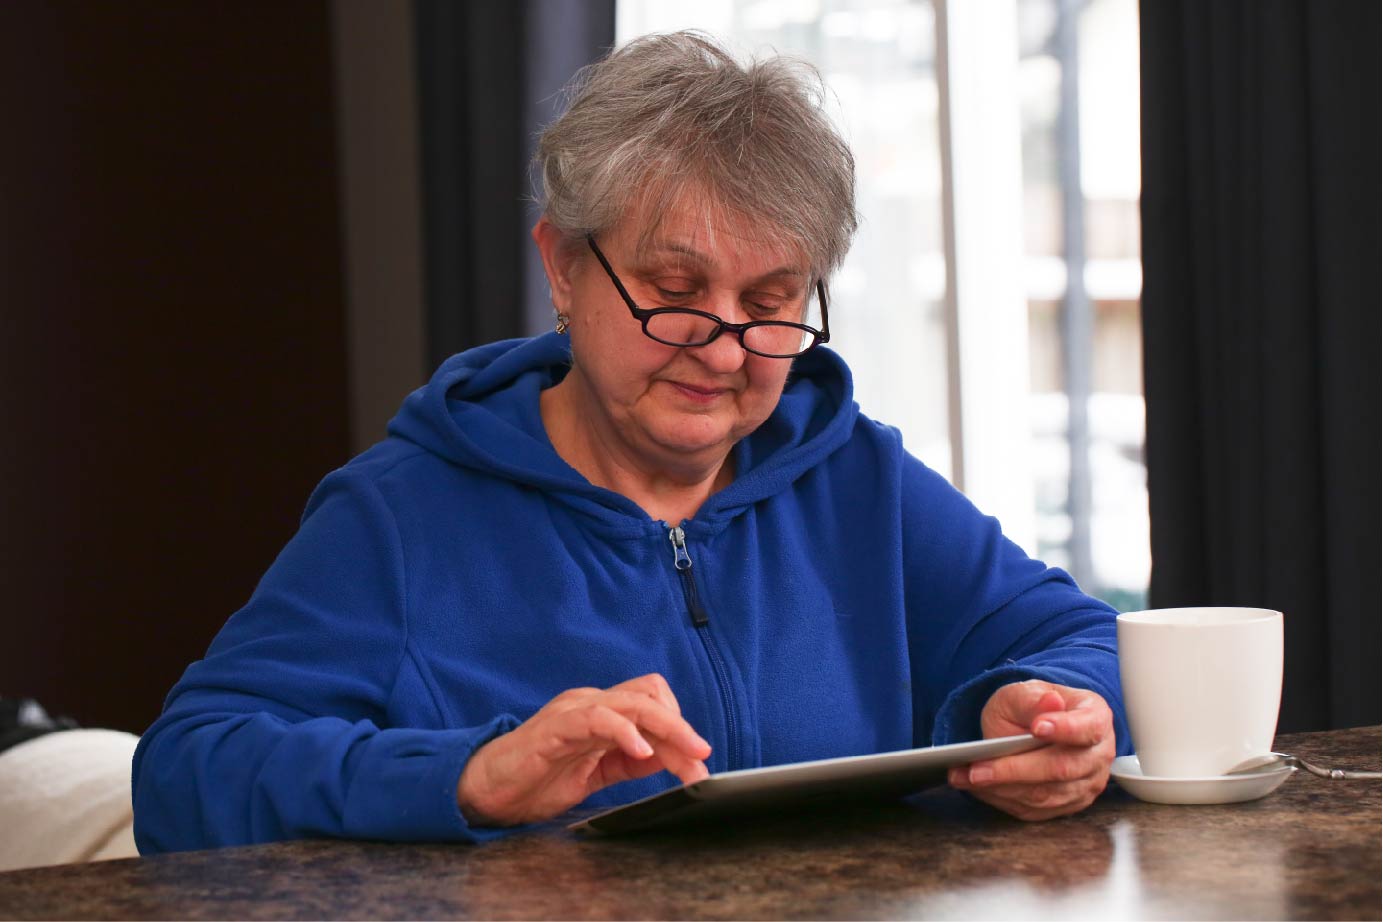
[(699, 232)]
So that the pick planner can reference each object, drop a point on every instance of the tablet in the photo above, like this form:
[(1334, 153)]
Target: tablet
[(873, 777)]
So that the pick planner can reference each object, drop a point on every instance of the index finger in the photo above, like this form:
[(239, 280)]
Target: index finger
[(1039, 766), (654, 686), (652, 718)]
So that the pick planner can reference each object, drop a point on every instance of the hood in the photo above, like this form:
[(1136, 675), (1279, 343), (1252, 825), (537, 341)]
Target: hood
[(480, 411)]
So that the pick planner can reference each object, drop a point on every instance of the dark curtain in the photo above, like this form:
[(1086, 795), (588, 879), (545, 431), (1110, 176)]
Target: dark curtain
[(1261, 305), (487, 72)]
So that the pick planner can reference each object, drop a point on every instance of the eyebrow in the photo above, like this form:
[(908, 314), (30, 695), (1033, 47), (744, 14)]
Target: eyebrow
[(701, 260)]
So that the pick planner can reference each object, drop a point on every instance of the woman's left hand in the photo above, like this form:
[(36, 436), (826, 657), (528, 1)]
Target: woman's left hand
[(1063, 777)]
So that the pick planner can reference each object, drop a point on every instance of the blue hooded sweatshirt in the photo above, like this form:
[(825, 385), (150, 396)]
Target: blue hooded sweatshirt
[(837, 598)]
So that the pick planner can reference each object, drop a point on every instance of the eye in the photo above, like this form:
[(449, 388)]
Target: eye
[(770, 307), (674, 288)]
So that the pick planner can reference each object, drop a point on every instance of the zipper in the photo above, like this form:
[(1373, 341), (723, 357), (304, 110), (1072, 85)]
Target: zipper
[(683, 562), (701, 620)]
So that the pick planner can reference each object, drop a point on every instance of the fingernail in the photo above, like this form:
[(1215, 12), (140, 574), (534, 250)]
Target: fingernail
[(1043, 728), (644, 749), (981, 774)]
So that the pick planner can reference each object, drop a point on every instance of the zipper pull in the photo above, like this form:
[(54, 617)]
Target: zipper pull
[(683, 562), (680, 558)]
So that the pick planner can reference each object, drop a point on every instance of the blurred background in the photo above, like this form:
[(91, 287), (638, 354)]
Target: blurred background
[(233, 236)]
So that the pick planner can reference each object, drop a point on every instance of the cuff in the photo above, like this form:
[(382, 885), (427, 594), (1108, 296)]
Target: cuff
[(406, 791), (958, 718)]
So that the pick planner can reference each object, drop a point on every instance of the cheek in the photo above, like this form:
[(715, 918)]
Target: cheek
[(767, 377), (622, 359)]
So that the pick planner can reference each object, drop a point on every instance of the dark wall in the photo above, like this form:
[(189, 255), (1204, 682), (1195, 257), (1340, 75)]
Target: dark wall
[(172, 361)]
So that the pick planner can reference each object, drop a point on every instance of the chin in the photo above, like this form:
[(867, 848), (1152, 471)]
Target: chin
[(696, 438)]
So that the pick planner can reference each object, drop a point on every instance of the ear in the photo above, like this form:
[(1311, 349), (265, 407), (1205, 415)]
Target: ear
[(560, 261)]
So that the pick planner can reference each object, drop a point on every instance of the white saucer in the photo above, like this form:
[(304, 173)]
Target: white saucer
[(1222, 789)]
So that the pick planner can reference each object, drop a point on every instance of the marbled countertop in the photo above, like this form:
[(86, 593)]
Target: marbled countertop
[(1309, 850)]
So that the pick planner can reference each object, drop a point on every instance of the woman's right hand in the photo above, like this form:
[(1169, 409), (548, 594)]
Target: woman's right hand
[(581, 741)]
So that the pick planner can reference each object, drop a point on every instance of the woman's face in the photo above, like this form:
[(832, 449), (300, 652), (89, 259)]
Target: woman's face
[(678, 408)]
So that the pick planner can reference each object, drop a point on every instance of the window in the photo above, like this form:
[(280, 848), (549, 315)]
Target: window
[(959, 324), (1080, 207)]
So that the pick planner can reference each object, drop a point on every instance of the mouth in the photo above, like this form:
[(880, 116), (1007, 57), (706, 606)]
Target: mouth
[(699, 393)]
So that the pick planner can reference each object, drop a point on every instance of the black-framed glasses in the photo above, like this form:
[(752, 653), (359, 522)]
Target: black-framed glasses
[(685, 327)]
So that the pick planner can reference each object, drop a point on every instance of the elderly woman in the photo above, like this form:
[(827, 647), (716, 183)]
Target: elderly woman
[(659, 542)]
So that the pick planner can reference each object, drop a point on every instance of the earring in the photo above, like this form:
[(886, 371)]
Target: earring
[(563, 321)]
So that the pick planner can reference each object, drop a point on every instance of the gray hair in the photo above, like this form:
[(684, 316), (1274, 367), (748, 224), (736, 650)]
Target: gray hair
[(675, 115)]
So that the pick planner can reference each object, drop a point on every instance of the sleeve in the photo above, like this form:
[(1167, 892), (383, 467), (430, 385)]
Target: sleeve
[(983, 614), (282, 730)]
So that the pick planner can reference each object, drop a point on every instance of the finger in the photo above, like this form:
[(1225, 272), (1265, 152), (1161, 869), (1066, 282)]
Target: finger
[(692, 773), (654, 719), (1065, 796), (1051, 700), (1043, 796), (641, 728), (686, 769), (1045, 809), (676, 746), (654, 686), (1089, 723), (571, 698), (1040, 766), (1013, 707), (572, 736), (617, 766), (1040, 722)]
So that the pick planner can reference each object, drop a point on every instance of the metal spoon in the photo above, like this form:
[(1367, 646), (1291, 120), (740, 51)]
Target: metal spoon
[(1274, 759)]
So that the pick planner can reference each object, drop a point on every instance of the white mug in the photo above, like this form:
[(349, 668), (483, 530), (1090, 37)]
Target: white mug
[(1202, 687)]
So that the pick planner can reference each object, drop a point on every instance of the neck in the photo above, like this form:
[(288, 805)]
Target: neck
[(585, 439)]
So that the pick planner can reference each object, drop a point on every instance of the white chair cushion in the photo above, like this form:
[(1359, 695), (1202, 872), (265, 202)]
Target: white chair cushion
[(65, 797)]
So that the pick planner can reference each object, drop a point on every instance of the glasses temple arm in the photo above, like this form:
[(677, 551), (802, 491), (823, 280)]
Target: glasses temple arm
[(825, 320), (609, 270)]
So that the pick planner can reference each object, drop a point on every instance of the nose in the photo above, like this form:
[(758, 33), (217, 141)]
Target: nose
[(724, 354)]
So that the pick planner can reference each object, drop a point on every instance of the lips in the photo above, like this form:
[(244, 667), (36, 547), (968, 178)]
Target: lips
[(698, 392)]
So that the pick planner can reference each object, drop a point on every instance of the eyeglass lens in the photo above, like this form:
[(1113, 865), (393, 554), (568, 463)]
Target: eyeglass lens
[(693, 330)]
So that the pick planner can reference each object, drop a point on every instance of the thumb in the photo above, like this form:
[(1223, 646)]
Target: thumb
[(1012, 708), (1050, 700), (1036, 698)]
